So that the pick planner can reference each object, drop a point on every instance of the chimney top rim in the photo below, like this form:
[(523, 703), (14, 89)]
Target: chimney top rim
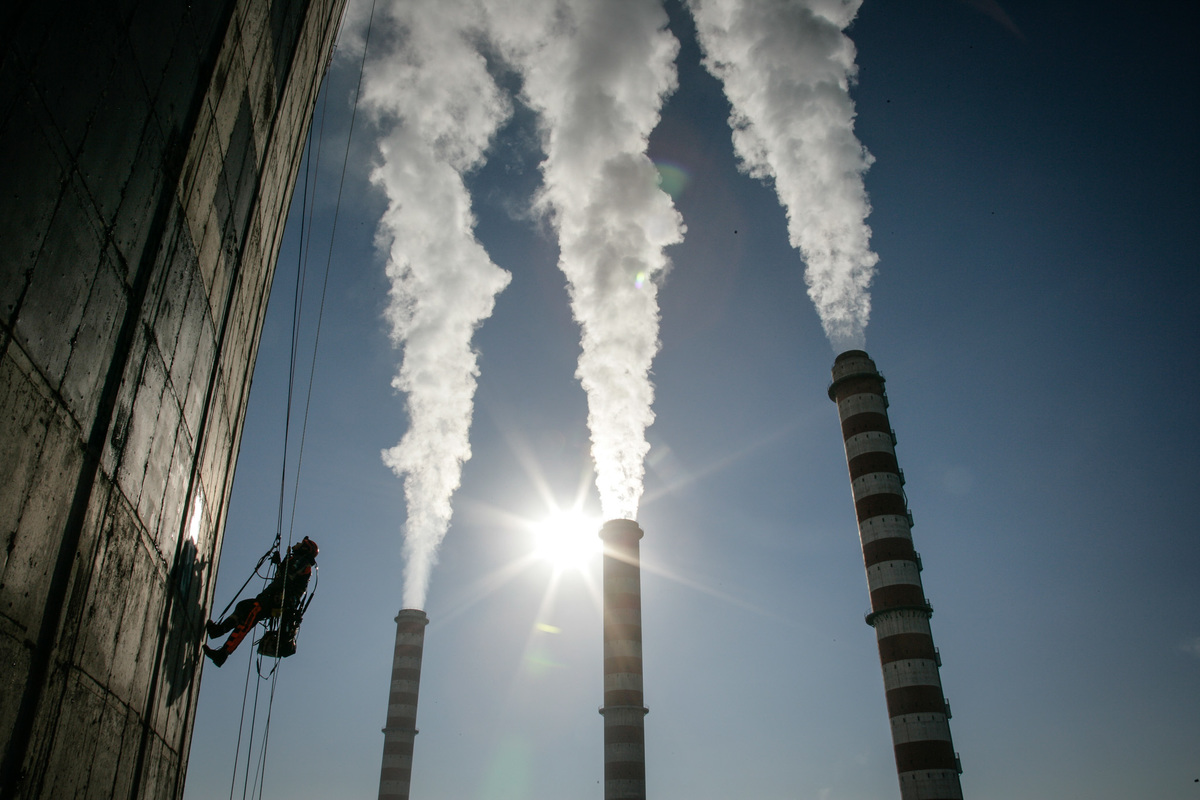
[(409, 613), (616, 527), (851, 354)]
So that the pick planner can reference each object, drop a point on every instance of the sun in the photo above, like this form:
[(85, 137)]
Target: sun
[(567, 539)]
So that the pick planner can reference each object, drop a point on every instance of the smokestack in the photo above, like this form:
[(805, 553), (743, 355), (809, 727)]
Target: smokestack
[(624, 711), (396, 772), (925, 757)]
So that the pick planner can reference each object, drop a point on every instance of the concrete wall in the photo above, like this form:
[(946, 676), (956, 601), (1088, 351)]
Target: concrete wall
[(149, 151)]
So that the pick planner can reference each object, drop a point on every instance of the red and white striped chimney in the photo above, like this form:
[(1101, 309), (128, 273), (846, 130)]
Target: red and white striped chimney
[(925, 757), (624, 710), (401, 731)]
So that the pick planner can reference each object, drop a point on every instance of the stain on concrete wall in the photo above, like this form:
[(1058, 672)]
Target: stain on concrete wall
[(150, 150)]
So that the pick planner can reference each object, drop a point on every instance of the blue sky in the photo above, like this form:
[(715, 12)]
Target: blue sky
[(1034, 209)]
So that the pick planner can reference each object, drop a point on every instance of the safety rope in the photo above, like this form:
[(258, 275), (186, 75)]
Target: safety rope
[(238, 749), (297, 305), (250, 743), (329, 260), (238, 593), (275, 545)]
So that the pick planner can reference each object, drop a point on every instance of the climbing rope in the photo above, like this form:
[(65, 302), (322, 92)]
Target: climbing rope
[(238, 593), (306, 215)]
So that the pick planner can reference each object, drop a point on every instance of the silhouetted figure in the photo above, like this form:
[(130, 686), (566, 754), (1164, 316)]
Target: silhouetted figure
[(282, 598)]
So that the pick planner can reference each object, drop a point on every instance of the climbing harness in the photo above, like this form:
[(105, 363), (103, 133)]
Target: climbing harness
[(281, 620), (283, 623)]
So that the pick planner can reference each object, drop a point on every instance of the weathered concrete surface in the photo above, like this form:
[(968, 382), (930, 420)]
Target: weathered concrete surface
[(150, 148)]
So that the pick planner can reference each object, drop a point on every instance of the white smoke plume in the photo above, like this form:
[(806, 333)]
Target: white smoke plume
[(598, 71), (437, 108), (787, 67)]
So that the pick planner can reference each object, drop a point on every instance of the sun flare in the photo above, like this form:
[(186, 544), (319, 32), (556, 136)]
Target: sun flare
[(567, 539)]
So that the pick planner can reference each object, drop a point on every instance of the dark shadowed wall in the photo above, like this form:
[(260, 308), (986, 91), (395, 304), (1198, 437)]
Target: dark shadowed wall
[(149, 151)]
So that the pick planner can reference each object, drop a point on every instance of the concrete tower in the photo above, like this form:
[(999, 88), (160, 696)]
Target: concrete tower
[(396, 773), (925, 756), (624, 707), (150, 151)]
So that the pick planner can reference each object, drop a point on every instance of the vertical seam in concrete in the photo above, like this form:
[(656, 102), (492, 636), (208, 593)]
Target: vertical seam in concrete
[(148, 709), (231, 457), (12, 767), (201, 443), (35, 686), (69, 661)]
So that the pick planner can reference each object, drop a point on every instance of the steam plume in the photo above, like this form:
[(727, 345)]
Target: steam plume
[(437, 109), (598, 71), (787, 69)]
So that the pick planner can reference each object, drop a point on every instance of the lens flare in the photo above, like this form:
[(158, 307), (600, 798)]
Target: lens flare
[(672, 178)]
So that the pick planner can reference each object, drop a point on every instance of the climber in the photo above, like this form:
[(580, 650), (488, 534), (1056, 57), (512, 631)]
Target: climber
[(282, 598)]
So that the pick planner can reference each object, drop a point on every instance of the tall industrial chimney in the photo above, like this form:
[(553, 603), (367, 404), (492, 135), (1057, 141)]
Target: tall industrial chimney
[(624, 709), (925, 757), (396, 772)]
